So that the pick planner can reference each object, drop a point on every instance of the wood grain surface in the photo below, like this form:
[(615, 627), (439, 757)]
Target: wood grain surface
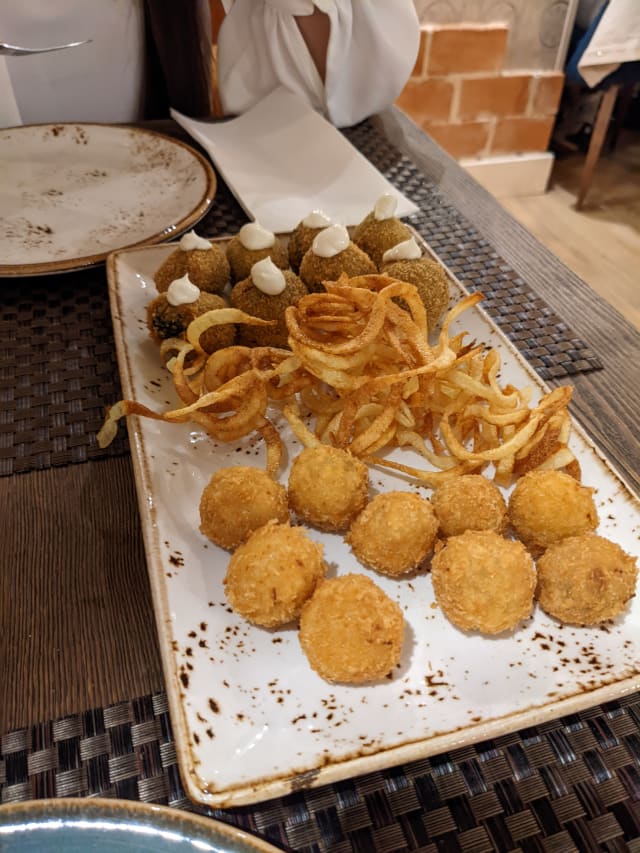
[(606, 402), (601, 242), (77, 628)]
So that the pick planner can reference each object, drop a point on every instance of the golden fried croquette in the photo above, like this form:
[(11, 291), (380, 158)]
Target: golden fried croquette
[(331, 254), (303, 235), (241, 257), (469, 502), (351, 631), (483, 582), (238, 500), (208, 268), (394, 533), (165, 320), (327, 487), (585, 579), (546, 506), (374, 236), (273, 573), (249, 298), (429, 279)]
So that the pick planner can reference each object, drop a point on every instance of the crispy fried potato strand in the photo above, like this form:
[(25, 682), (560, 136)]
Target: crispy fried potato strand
[(362, 376)]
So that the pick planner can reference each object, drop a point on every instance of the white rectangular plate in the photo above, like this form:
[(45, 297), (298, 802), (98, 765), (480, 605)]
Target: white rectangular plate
[(251, 719)]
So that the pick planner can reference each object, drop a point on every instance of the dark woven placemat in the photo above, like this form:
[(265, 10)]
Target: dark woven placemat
[(569, 785), (57, 371), (58, 366)]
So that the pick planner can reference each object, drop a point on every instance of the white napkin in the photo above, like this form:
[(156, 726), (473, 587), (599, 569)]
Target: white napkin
[(615, 40), (281, 159)]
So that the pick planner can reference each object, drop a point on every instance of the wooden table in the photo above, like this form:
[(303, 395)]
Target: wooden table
[(81, 634)]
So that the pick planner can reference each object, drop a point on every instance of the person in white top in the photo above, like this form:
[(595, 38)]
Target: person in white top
[(143, 56), (348, 58)]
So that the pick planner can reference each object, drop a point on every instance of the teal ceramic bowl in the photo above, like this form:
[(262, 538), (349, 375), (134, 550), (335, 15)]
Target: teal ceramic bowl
[(125, 826)]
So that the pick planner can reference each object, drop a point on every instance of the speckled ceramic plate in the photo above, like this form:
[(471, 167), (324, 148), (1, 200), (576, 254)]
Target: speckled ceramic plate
[(72, 193), (251, 720), (102, 826)]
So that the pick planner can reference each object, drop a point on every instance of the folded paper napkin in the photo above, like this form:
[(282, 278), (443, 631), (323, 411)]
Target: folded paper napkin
[(281, 159)]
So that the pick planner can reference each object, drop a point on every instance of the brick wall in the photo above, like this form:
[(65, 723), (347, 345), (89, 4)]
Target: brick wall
[(461, 94)]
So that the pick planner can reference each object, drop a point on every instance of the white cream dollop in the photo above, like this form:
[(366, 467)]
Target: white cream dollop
[(407, 250), (385, 207), (254, 237), (316, 219), (267, 277), (182, 291), (191, 240), (330, 241)]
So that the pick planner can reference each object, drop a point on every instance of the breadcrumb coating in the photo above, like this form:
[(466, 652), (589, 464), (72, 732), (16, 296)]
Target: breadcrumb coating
[(585, 579), (238, 500), (327, 487), (547, 506), (351, 631), (242, 259), (273, 573), (429, 279), (469, 502), (352, 261), (394, 533), (376, 236), (300, 241), (170, 321), (208, 269), (246, 296), (483, 582)]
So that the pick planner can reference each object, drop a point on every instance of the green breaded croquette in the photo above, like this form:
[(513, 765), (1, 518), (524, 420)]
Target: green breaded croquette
[(375, 236), (303, 235), (165, 320), (380, 229), (208, 268), (331, 254), (250, 245), (250, 299), (429, 279)]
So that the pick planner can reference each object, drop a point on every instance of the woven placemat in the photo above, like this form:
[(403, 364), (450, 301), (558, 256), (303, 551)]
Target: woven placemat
[(57, 371), (569, 785), (58, 366)]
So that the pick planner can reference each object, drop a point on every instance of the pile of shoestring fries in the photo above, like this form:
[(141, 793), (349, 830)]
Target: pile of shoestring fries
[(362, 376)]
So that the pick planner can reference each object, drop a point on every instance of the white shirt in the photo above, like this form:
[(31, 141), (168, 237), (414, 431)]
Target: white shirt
[(101, 81), (372, 50)]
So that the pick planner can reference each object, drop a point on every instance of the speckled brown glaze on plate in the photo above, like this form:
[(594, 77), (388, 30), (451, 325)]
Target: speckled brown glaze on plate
[(251, 720), (72, 193)]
